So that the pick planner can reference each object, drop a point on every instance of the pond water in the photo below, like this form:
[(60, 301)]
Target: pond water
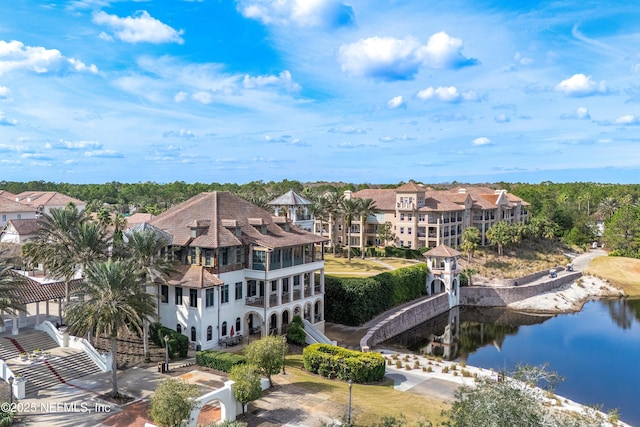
[(597, 350)]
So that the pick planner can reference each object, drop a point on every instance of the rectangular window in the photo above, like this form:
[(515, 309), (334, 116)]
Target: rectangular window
[(238, 290), (401, 217), (408, 230), (401, 230), (339, 227), (285, 285), (178, 295), (19, 216), (409, 217), (209, 293), (274, 286), (193, 298), (4, 217), (164, 294), (224, 254), (420, 217), (252, 290), (224, 294), (238, 255)]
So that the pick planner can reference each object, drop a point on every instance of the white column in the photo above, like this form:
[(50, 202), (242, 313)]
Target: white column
[(37, 312), (14, 323), (312, 283), (279, 286)]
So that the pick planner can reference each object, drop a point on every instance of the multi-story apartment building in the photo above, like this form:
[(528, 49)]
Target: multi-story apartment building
[(32, 204), (422, 217), (241, 271)]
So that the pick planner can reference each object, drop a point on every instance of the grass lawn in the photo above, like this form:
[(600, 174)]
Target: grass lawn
[(358, 267), (621, 272), (369, 402)]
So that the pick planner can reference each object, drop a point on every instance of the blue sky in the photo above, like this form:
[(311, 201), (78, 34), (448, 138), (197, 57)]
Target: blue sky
[(361, 91)]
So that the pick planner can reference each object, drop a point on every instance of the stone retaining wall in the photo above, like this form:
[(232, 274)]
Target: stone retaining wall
[(479, 296), (406, 318), (485, 296)]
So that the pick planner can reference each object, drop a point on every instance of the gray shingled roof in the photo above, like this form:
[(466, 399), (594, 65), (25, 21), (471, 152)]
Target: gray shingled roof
[(290, 198)]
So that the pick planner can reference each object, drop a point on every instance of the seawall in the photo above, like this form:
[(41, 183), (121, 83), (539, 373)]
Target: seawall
[(480, 296)]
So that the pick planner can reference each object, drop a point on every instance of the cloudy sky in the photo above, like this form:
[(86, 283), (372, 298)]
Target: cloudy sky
[(372, 91)]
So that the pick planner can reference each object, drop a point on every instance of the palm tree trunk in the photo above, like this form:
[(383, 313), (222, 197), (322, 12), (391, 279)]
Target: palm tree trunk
[(362, 246), (349, 243), (114, 367), (145, 338)]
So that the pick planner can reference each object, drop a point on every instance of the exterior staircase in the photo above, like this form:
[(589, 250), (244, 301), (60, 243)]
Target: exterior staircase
[(61, 365)]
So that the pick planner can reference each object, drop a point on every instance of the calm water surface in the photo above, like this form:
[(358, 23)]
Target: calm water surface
[(597, 350)]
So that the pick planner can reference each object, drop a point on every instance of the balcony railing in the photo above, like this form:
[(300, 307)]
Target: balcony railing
[(254, 301), (285, 298), (317, 288)]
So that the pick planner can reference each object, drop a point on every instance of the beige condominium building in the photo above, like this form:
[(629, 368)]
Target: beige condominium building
[(423, 217)]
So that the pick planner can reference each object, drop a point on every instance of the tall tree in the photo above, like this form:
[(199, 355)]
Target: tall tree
[(366, 207), (350, 210), (111, 300), (470, 241), (247, 387), (385, 233), (65, 243), (266, 355), (145, 249), (10, 286), (500, 234), (607, 207), (332, 202)]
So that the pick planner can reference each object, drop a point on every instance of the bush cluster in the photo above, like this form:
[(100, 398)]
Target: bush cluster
[(392, 251), (295, 333), (178, 343), (219, 360), (336, 362), (354, 301)]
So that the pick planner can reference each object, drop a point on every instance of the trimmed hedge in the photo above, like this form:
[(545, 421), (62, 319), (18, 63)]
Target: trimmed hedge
[(219, 360), (178, 343), (392, 251), (336, 362), (354, 301)]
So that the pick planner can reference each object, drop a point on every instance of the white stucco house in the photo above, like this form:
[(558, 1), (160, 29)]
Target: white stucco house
[(241, 271)]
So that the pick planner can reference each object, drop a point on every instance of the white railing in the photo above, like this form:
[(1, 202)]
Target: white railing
[(5, 371), (315, 335), (64, 340)]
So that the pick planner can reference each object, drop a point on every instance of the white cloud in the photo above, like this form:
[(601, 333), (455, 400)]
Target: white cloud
[(182, 133), (388, 58), (5, 121), (447, 94), (628, 119), (347, 130), (583, 113), (180, 96), (5, 92), (522, 60), (104, 154), (502, 118), (203, 97), (140, 27), (302, 13), (73, 145), (481, 141), (580, 85), (396, 102), (14, 55), (283, 80)]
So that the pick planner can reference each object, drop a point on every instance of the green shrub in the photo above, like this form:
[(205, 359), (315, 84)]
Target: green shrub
[(295, 333), (336, 362), (219, 360), (178, 343), (354, 301)]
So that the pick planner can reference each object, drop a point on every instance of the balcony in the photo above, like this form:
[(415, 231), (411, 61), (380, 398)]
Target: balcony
[(254, 301), (317, 288)]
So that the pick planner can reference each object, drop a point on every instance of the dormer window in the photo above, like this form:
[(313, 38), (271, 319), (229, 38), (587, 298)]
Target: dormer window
[(194, 233), (238, 232), (263, 229)]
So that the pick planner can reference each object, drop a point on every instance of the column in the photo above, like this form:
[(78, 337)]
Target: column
[(279, 290), (37, 312), (312, 283), (290, 288), (14, 323), (322, 280)]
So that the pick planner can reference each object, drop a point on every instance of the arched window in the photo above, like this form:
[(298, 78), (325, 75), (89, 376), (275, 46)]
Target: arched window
[(209, 333), (179, 328), (238, 325), (224, 329), (193, 333), (285, 317)]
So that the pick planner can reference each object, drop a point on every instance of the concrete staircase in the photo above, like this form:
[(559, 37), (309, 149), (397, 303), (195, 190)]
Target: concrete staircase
[(60, 367)]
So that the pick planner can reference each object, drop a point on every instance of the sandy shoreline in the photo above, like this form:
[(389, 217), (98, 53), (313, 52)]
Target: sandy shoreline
[(568, 298)]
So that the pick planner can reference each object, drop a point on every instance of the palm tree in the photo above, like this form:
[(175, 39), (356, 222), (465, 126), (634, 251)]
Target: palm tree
[(470, 241), (332, 202), (144, 248), (366, 207), (119, 225), (350, 210), (112, 300), (10, 284), (65, 244), (608, 207)]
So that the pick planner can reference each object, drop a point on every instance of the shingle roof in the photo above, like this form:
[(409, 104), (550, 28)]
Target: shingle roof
[(138, 218), (148, 227), (46, 198), (385, 198), (30, 291), (193, 276), (7, 195), (10, 206), (410, 187), (24, 227), (220, 209), (290, 198), (442, 251)]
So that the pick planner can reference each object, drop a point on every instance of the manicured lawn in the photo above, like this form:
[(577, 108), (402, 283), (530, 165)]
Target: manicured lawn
[(358, 267), (621, 272), (369, 402)]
